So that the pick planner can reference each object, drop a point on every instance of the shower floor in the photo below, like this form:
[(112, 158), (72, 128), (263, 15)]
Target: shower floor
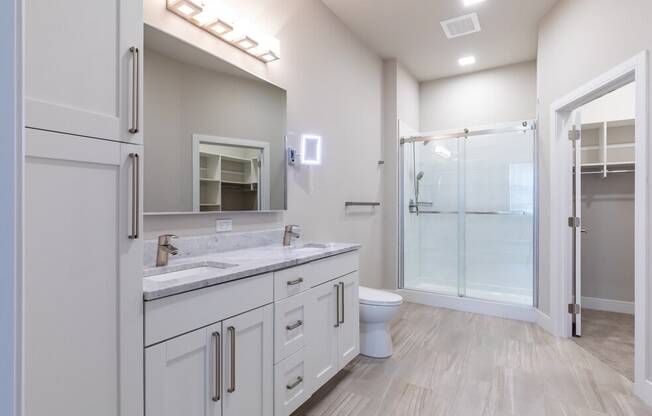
[(503, 295)]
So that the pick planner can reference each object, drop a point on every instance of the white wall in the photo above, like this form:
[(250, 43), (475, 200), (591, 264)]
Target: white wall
[(400, 102), (334, 88), (493, 96), (593, 36), (11, 156)]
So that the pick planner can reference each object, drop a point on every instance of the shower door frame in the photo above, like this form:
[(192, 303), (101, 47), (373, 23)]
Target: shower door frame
[(490, 307)]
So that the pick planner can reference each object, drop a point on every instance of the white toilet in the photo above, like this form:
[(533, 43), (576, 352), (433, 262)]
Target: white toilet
[(377, 308)]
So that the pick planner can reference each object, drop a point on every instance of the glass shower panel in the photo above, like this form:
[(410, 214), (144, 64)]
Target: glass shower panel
[(499, 217), (431, 207)]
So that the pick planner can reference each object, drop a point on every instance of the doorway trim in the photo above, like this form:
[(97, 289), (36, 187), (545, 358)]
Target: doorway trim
[(632, 70)]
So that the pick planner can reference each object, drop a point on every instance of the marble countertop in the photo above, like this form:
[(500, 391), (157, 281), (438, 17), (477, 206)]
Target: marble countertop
[(221, 267)]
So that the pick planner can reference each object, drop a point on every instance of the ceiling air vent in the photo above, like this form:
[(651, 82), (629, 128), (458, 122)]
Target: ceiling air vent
[(461, 26)]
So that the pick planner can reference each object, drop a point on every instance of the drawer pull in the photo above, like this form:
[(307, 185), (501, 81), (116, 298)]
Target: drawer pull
[(295, 383), (294, 325), (295, 281)]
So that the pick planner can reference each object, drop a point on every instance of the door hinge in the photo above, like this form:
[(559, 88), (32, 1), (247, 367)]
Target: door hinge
[(574, 222), (574, 308), (574, 134)]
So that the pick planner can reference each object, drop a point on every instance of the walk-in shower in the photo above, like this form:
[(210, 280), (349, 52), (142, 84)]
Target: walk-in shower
[(468, 213)]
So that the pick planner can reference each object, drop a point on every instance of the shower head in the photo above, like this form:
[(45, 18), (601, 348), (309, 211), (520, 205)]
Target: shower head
[(420, 175)]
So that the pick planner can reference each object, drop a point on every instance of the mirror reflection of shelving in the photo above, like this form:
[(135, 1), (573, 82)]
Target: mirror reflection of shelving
[(608, 144), (229, 178)]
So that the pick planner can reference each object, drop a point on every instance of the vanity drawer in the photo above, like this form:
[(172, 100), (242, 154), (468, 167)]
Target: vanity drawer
[(333, 267), (290, 325), (174, 315), (291, 281), (290, 384)]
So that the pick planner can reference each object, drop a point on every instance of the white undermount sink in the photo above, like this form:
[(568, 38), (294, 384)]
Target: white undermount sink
[(197, 270)]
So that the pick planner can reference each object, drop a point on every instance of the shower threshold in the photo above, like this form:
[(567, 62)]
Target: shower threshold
[(476, 293)]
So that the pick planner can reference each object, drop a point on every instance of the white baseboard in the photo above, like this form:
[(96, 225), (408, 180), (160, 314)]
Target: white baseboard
[(484, 307), (545, 322), (608, 305)]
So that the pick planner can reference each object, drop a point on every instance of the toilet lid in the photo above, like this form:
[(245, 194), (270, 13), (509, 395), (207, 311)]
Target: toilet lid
[(369, 296)]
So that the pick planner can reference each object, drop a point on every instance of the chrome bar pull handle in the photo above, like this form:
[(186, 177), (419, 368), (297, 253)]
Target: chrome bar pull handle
[(295, 383), (294, 325), (135, 195), (337, 305), (135, 94), (217, 366), (231, 388), (342, 302), (295, 281)]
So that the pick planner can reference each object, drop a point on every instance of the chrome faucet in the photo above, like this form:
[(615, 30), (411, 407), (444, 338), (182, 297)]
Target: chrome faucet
[(289, 234), (165, 248)]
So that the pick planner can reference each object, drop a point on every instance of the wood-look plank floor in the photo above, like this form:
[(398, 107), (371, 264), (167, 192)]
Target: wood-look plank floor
[(453, 363), (610, 337)]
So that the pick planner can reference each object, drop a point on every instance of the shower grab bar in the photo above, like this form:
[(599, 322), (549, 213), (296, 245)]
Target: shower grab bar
[(474, 212)]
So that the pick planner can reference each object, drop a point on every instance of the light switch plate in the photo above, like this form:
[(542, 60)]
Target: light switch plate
[(224, 225)]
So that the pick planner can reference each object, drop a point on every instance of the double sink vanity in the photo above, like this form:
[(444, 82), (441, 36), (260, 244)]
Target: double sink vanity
[(253, 330)]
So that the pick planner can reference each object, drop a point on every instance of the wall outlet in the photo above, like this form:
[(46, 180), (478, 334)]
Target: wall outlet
[(223, 226)]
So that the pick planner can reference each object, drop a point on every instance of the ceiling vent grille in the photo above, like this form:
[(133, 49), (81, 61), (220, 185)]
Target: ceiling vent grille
[(461, 26)]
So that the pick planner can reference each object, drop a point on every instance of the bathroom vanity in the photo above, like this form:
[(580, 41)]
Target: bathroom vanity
[(248, 332)]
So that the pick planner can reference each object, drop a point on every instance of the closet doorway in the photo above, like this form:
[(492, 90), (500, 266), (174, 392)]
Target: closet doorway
[(603, 174)]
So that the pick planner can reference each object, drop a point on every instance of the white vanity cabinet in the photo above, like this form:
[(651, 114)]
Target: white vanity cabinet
[(309, 354), (83, 62), (222, 369), (83, 345)]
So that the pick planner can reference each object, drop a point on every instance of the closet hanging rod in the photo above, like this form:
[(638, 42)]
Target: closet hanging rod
[(512, 128)]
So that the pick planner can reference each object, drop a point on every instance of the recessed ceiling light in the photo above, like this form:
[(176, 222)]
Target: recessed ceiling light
[(468, 3), (466, 60)]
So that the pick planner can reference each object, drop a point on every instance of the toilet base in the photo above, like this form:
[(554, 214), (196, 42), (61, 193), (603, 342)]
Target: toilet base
[(375, 340)]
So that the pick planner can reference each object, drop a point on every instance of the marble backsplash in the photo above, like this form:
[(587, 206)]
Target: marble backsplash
[(191, 246)]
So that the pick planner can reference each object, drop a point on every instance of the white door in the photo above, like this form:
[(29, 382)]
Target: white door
[(322, 329), (83, 334), (576, 222), (349, 329), (81, 74), (248, 345), (183, 375)]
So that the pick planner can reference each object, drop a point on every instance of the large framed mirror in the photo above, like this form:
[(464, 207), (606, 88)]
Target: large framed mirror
[(214, 134)]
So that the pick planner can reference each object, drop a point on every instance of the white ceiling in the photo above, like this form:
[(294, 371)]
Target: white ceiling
[(409, 30)]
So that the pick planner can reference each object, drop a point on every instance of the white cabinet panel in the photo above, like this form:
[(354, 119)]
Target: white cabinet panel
[(290, 326), (290, 384), (79, 70), (248, 345), (322, 334), (182, 375), (83, 295), (349, 329)]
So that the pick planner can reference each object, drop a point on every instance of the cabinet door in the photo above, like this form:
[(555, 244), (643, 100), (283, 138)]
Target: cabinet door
[(183, 373), (322, 335), (83, 341), (80, 72), (248, 345), (349, 329)]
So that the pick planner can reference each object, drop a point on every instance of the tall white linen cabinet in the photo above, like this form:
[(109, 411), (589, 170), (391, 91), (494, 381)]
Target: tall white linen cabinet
[(83, 322)]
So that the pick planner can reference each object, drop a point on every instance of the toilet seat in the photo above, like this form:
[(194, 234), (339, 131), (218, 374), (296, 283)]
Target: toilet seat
[(375, 297)]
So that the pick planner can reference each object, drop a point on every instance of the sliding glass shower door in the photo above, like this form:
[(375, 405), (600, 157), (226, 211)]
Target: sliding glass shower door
[(468, 215)]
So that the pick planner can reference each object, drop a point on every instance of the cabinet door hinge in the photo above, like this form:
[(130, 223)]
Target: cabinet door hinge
[(574, 222), (574, 308)]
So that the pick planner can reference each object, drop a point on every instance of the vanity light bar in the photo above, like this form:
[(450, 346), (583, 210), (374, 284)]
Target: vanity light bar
[(202, 15)]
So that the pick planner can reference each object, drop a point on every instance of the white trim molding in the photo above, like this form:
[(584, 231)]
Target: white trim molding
[(483, 307), (560, 244), (11, 168), (608, 305)]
